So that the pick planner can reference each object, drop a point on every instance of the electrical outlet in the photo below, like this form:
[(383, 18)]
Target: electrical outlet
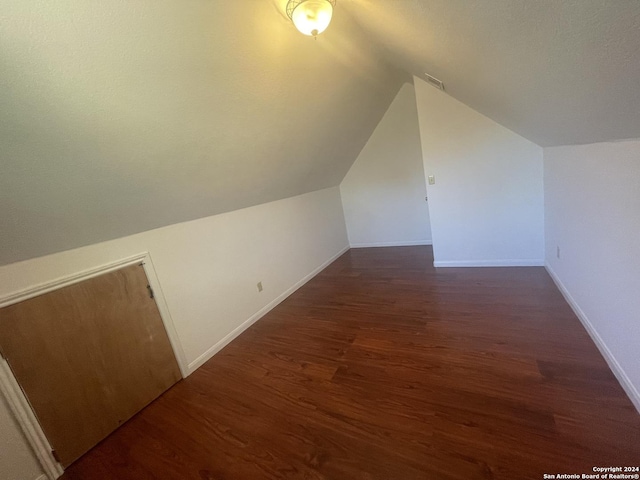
[(558, 252), (259, 286)]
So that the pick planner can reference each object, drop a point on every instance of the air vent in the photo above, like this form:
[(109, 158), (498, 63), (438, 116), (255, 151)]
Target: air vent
[(434, 81)]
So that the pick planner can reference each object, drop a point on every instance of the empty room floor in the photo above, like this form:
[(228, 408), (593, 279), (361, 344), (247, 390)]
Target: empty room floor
[(383, 367)]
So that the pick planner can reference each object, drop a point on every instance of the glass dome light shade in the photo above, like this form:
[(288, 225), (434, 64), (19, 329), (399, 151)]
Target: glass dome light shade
[(312, 17)]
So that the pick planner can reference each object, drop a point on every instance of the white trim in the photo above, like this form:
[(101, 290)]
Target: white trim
[(198, 362), (27, 420), (165, 315), (615, 367), (391, 244), (489, 263), (58, 283), (10, 386)]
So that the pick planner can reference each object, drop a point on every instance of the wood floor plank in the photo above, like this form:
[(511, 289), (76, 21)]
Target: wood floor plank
[(383, 367)]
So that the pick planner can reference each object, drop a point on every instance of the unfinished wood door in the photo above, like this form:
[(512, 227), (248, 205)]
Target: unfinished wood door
[(88, 357)]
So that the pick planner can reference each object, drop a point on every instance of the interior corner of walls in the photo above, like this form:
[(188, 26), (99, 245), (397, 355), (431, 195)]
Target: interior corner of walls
[(341, 197), (625, 382), (383, 192), (345, 224)]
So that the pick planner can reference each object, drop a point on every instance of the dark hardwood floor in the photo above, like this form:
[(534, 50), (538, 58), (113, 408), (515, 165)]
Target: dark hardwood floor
[(383, 367)]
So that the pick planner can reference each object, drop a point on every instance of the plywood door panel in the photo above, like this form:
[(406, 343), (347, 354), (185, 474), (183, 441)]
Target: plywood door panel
[(89, 356)]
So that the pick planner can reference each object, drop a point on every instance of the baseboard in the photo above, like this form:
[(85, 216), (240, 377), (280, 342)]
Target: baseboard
[(198, 362), (489, 263), (615, 367), (391, 244)]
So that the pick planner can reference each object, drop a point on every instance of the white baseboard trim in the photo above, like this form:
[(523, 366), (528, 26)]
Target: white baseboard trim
[(391, 244), (198, 362), (615, 367), (489, 263)]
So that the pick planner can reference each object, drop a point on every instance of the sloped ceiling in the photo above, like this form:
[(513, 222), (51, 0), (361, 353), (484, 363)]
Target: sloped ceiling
[(121, 116), (558, 72)]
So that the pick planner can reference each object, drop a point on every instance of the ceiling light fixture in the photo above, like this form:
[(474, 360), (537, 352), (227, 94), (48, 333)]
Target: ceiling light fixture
[(310, 17)]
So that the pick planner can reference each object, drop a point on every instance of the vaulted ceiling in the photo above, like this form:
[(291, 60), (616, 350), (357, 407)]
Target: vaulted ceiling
[(121, 116), (557, 72)]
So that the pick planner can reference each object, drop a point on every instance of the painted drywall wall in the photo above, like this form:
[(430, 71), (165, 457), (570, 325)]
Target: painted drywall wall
[(486, 206), (592, 214), (17, 461), (208, 268), (383, 194)]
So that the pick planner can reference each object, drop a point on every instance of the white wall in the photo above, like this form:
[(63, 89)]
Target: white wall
[(383, 194), (208, 270), (17, 462), (592, 212), (486, 206)]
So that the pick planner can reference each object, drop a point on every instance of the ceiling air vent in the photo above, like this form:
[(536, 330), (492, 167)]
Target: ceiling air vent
[(434, 81)]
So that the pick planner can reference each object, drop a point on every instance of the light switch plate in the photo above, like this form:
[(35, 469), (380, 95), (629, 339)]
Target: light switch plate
[(432, 179)]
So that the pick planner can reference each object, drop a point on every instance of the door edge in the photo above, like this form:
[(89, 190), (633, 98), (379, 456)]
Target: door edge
[(9, 386)]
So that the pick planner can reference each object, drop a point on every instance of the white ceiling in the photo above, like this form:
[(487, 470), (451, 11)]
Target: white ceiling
[(557, 72), (121, 116)]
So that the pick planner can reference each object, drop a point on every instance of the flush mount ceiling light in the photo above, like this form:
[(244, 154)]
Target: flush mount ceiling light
[(310, 17)]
